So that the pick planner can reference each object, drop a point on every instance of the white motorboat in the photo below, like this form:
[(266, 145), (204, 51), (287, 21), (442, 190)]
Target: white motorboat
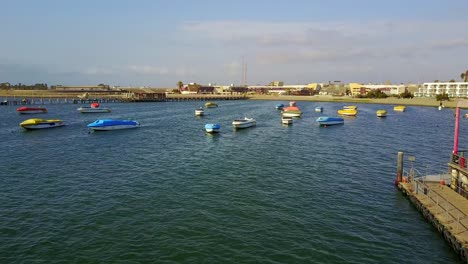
[(286, 120), (87, 109), (244, 122), (199, 111), (212, 128)]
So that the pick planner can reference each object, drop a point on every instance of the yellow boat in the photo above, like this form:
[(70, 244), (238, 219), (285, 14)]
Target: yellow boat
[(399, 108), (37, 123), (350, 107), (381, 113), (211, 104), (347, 112)]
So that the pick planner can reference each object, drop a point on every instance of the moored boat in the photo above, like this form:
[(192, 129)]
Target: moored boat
[(350, 107), (329, 121), (111, 124), (381, 113), (286, 120), (31, 110), (199, 111), (37, 123), (211, 105), (292, 103), (244, 122), (279, 106), (347, 112), (319, 109), (399, 108), (212, 128), (292, 111), (87, 109)]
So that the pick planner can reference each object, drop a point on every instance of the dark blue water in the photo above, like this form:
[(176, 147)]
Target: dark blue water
[(170, 193)]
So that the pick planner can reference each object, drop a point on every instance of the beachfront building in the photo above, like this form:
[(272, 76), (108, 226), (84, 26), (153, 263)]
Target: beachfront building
[(389, 89), (452, 89)]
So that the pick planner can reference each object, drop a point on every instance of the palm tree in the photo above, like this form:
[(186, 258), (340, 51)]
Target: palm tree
[(464, 76), (180, 84)]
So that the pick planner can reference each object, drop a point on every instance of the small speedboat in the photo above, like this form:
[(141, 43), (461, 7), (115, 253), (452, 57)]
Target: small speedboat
[(244, 122), (319, 109), (111, 124), (212, 128), (199, 111), (381, 113), (87, 109), (399, 108), (211, 105), (31, 110), (292, 103), (329, 121), (347, 112), (37, 123), (279, 106), (286, 120)]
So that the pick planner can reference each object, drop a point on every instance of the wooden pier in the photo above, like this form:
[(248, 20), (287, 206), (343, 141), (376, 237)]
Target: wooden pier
[(442, 201)]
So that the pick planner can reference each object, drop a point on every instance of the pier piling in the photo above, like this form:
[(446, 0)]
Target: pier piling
[(399, 177)]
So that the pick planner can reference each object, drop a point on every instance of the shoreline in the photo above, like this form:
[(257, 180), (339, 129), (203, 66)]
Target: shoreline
[(417, 101)]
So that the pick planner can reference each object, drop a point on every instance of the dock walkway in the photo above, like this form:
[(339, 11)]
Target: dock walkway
[(444, 208)]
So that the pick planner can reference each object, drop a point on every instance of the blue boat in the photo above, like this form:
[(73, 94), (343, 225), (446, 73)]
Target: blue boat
[(319, 109), (111, 124), (212, 128), (329, 121), (279, 106)]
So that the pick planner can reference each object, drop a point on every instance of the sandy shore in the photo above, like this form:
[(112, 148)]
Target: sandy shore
[(345, 99)]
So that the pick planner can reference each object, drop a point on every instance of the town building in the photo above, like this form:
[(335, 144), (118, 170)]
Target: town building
[(452, 89)]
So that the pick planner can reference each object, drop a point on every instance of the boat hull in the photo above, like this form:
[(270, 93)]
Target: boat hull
[(292, 114), (243, 123), (33, 124), (199, 112), (381, 113), (330, 121), (286, 121), (31, 110), (347, 112), (93, 110), (319, 109), (109, 124), (212, 128), (399, 108)]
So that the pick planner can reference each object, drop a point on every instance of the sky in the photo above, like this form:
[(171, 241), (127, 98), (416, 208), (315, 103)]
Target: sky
[(158, 43)]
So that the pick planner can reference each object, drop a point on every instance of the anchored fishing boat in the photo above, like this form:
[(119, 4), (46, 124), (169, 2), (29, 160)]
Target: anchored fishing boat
[(31, 110), (319, 109), (37, 123), (292, 111), (329, 121), (279, 106), (111, 124), (212, 128)]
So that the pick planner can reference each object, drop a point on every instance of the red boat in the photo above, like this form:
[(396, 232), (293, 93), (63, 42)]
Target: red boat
[(31, 110)]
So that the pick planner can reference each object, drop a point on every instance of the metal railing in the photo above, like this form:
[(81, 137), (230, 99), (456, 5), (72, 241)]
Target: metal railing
[(449, 211)]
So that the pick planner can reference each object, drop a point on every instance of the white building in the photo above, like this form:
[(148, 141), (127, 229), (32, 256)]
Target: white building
[(453, 89)]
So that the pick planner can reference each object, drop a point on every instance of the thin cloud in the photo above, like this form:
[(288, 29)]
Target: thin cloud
[(147, 69)]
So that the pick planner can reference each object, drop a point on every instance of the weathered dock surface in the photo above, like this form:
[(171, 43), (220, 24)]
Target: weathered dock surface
[(444, 208)]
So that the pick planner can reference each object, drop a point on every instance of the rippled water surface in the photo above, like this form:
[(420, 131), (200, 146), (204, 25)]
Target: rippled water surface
[(170, 193)]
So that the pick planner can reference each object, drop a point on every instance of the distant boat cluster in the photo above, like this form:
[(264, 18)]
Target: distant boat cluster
[(98, 125)]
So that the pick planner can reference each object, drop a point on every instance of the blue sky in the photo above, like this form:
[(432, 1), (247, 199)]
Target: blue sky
[(158, 43)]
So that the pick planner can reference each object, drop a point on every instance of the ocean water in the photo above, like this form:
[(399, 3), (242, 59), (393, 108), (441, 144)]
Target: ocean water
[(167, 192)]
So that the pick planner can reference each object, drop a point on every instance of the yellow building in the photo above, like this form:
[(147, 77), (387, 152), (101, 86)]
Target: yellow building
[(355, 88)]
